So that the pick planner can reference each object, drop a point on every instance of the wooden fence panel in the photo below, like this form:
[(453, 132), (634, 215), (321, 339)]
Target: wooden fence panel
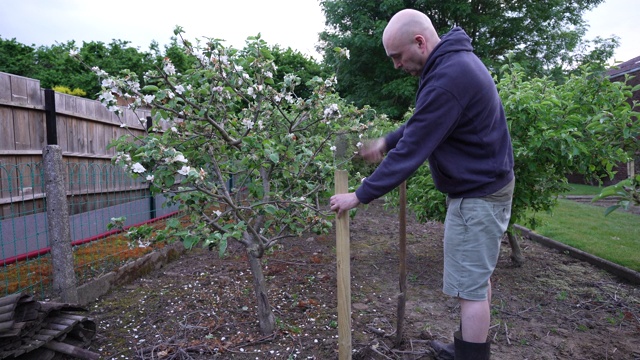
[(84, 127)]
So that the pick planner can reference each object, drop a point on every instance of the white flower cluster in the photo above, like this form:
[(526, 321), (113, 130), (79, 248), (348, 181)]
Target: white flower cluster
[(167, 66), (177, 157), (112, 87), (332, 110), (247, 123), (125, 161), (184, 170)]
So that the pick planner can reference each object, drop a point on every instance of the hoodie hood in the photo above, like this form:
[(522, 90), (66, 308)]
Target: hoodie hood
[(454, 41)]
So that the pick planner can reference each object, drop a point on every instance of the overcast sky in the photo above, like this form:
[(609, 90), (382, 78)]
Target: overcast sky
[(290, 23)]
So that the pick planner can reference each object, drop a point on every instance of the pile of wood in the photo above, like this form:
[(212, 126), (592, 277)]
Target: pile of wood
[(34, 330)]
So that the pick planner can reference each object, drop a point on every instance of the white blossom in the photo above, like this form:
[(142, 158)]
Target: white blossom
[(168, 67), (99, 71), (217, 212), (138, 168), (174, 129), (106, 97), (247, 123), (185, 170), (289, 98), (179, 157), (179, 89), (150, 177), (149, 98), (333, 148), (331, 110)]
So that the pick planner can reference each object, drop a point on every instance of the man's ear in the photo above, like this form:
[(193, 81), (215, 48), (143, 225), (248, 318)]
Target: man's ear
[(420, 41)]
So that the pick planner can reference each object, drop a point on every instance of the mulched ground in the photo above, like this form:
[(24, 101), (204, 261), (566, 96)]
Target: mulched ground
[(203, 307)]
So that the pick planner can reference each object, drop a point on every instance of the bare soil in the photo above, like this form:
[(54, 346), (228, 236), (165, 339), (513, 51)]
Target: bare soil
[(203, 307)]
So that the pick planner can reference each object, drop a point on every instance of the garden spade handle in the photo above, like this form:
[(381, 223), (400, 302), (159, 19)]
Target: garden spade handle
[(402, 297), (344, 272)]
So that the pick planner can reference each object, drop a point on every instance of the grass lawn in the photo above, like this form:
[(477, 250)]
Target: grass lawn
[(615, 237), (579, 189)]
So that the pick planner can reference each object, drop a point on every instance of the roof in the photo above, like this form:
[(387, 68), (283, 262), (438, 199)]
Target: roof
[(627, 67)]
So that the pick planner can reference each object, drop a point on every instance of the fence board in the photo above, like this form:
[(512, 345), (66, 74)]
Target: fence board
[(37, 129), (35, 95), (80, 138), (5, 87), (21, 131), (7, 135), (63, 134), (19, 90)]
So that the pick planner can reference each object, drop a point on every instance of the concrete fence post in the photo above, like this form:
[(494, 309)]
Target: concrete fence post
[(64, 279)]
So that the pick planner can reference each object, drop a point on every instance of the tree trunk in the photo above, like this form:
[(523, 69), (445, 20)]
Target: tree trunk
[(265, 315), (516, 253)]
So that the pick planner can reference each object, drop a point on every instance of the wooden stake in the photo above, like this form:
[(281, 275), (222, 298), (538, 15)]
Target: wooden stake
[(402, 297), (344, 272)]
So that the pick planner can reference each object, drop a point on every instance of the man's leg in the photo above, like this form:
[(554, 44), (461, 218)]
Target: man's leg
[(475, 317)]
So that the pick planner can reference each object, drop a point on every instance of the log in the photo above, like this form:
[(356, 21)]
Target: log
[(72, 350)]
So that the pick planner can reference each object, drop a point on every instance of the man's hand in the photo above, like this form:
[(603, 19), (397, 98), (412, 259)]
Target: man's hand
[(341, 203), (373, 150)]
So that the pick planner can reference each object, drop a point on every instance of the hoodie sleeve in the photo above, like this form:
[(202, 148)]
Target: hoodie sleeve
[(436, 114)]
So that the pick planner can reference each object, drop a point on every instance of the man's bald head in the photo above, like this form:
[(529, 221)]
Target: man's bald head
[(408, 39)]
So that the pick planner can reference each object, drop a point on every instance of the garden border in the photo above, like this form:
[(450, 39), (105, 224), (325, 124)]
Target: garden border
[(630, 275), (155, 260)]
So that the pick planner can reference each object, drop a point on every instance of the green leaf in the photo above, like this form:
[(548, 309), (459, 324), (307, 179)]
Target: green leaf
[(173, 223), (149, 89), (222, 247), (190, 240)]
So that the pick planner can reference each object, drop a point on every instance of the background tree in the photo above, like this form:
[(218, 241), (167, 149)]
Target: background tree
[(545, 37), (626, 191), (582, 125), (291, 61), (53, 66), (16, 58)]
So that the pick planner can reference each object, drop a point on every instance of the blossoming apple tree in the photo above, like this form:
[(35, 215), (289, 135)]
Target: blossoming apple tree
[(247, 159)]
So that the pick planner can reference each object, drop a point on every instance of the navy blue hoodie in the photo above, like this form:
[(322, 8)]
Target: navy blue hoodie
[(458, 125)]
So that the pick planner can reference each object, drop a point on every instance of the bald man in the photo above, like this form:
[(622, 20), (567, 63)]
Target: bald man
[(459, 127)]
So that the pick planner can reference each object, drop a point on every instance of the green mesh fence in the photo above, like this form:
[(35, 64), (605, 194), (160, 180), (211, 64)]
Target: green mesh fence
[(97, 192)]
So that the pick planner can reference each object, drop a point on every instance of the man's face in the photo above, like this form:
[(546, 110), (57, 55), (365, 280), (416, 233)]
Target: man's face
[(406, 56)]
